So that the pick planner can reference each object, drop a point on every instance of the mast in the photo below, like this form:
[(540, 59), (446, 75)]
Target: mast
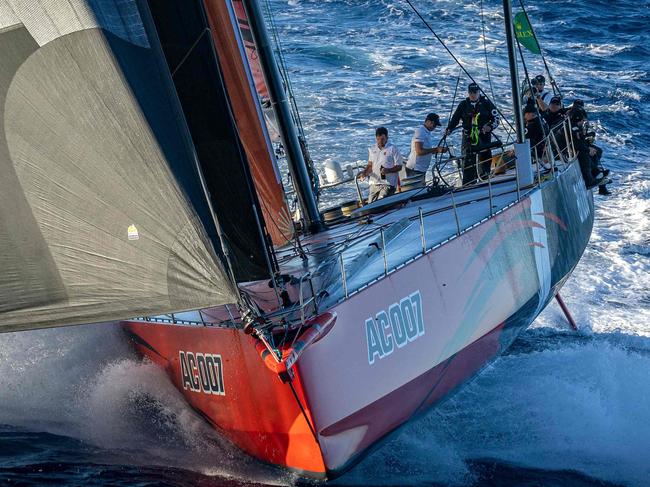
[(514, 77), (297, 165)]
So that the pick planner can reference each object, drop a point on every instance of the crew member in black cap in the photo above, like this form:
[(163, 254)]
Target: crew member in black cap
[(422, 147), (479, 118), (577, 107), (579, 123), (536, 129), (542, 96), (591, 173), (555, 113)]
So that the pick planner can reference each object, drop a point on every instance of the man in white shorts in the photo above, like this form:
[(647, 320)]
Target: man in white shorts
[(384, 162), (422, 147)]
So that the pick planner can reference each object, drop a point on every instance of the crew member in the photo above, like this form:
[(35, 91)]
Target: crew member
[(479, 118), (422, 147), (536, 129), (542, 96), (555, 113), (577, 107), (578, 112), (588, 167), (384, 162)]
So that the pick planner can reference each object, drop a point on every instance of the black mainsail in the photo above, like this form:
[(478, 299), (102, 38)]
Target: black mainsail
[(187, 44)]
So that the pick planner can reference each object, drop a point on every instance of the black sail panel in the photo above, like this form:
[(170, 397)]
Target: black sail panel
[(187, 44), (102, 213)]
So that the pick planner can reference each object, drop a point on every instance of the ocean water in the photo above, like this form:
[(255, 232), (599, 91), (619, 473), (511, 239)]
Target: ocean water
[(78, 407)]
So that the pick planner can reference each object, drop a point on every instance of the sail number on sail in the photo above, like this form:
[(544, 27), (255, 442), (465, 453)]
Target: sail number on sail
[(393, 328), (202, 372)]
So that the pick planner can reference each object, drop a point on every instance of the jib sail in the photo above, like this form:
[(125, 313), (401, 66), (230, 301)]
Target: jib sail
[(103, 214)]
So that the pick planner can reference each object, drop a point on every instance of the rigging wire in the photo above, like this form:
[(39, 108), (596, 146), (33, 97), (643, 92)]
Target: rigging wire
[(428, 26), (530, 87), (189, 51), (443, 140), (487, 64), (556, 88), (509, 130), (453, 101), (284, 71)]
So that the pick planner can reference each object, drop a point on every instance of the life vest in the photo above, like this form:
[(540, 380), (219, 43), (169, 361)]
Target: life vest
[(474, 131)]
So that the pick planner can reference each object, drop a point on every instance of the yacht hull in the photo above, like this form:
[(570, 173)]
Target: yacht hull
[(396, 347)]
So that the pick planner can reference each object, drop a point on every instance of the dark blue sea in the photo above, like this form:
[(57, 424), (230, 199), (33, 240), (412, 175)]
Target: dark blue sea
[(78, 407)]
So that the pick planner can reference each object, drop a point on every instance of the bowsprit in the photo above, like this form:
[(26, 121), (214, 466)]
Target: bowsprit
[(202, 372), (393, 328)]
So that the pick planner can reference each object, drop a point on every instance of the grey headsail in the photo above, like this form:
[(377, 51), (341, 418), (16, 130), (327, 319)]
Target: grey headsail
[(102, 214)]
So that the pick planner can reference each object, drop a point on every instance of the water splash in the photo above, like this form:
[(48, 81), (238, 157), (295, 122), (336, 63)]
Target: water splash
[(558, 402), (87, 383)]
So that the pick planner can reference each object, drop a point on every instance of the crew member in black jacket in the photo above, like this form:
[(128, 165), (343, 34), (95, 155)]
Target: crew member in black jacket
[(591, 173), (479, 117), (555, 114)]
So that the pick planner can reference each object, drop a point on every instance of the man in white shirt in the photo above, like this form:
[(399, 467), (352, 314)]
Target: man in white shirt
[(422, 147), (384, 162)]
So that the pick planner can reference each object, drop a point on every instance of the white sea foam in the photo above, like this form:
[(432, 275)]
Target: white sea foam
[(577, 405), (610, 288), (86, 383), (601, 50), (383, 62), (572, 406), (617, 140), (619, 106), (621, 93), (580, 403)]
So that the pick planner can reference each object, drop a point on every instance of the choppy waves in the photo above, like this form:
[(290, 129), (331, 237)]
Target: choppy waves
[(80, 396), (562, 407)]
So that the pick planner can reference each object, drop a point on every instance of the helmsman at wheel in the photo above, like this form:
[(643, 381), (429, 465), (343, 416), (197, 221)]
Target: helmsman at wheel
[(479, 118)]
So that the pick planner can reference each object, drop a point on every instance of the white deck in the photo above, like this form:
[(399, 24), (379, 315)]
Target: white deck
[(358, 239), (360, 243)]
